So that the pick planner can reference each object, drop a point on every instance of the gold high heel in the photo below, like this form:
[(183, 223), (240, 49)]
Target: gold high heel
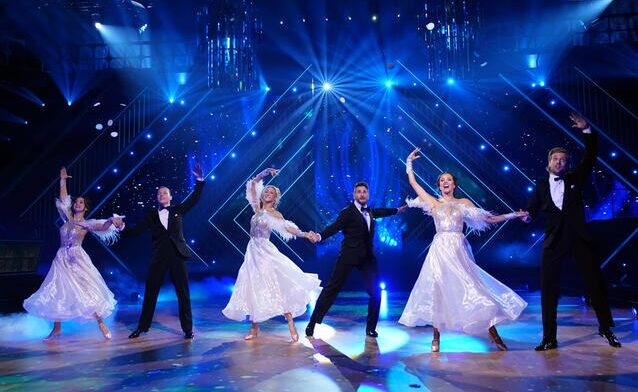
[(291, 327), (494, 337), (252, 334), (436, 341), (105, 330)]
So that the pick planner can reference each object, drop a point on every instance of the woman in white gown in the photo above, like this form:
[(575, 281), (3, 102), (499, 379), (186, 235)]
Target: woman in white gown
[(452, 293), (73, 287), (269, 283)]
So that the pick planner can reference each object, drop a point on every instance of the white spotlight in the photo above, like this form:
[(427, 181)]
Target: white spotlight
[(326, 86), (98, 25), (430, 26)]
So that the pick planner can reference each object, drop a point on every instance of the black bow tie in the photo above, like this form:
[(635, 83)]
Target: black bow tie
[(365, 209), (163, 208), (558, 178)]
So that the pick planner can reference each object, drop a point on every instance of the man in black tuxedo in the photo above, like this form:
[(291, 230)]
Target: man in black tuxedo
[(560, 199), (356, 221), (169, 254)]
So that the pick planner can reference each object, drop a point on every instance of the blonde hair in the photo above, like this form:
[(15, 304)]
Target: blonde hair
[(277, 192), (554, 151)]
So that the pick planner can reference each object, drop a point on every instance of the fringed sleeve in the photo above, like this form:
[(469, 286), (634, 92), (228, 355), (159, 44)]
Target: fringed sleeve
[(281, 226), (64, 207), (108, 236), (418, 203), (476, 218), (253, 192)]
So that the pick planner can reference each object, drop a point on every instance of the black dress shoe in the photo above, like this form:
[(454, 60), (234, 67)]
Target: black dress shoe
[(137, 333), (547, 344), (310, 329), (611, 338), (189, 335), (372, 333)]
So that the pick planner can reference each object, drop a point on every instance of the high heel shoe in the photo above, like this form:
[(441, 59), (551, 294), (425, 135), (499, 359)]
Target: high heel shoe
[(494, 337), (252, 334), (436, 345), (293, 330), (105, 330), (55, 333)]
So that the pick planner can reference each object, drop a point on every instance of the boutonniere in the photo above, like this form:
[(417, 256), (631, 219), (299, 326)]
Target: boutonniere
[(178, 214), (572, 186)]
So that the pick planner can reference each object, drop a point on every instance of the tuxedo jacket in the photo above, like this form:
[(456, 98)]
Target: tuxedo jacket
[(563, 225), (356, 246), (173, 236)]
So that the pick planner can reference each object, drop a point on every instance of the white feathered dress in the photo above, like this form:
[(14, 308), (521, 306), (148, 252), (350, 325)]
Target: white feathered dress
[(452, 293), (73, 287), (268, 284)]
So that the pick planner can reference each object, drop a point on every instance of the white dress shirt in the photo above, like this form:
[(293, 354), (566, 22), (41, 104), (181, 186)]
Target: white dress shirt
[(557, 190), (365, 214), (163, 217)]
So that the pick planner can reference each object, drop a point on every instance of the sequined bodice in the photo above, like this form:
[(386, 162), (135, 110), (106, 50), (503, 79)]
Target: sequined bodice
[(259, 225), (71, 234), (448, 217)]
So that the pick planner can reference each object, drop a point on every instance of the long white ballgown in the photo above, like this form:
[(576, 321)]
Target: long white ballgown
[(268, 284), (452, 293), (73, 287)]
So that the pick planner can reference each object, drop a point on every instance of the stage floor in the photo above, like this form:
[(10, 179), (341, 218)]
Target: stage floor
[(340, 358)]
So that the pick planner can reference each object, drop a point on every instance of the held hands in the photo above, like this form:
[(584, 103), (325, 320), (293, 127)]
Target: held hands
[(313, 237), (401, 209), (198, 172), (579, 121), (117, 221)]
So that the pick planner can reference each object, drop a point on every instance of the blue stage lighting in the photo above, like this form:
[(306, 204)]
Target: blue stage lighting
[(533, 234), (192, 241), (342, 100), (233, 155), (326, 86), (181, 101), (99, 187), (43, 104), (532, 61), (115, 170), (459, 126), (482, 147), (613, 154), (131, 153), (253, 133), (541, 83), (635, 171), (26, 122), (266, 88), (530, 189), (382, 285), (388, 84), (506, 168), (212, 177), (436, 105), (533, 84), (98, 25), (450, 81), (294, 89), (552, 102), (165, 119), (374, 18), (171, 100), (69, 103), (149, 136)]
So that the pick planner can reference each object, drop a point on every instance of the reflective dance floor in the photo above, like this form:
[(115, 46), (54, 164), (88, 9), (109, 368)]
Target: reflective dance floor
[(340, 358)]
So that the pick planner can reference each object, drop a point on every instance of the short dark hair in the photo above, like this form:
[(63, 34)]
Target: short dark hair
[(361, 183)]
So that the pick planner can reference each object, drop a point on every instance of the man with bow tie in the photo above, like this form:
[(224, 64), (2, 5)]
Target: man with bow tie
[(169, 253), (559, 198), (356, 221)]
